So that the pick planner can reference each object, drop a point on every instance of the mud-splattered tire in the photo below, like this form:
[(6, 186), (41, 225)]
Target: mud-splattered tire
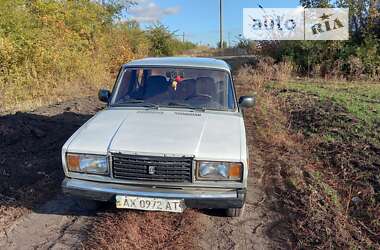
[(234, 212)]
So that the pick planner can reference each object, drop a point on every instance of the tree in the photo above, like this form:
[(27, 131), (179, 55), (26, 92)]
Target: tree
[(248, 45), (315, 3), (160, 39)]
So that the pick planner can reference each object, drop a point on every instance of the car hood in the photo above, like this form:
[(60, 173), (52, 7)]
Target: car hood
[(204, 135)]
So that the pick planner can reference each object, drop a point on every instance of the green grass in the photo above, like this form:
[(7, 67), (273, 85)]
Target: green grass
[(329, 137), (340, 123), (361, 100), (328, 190)]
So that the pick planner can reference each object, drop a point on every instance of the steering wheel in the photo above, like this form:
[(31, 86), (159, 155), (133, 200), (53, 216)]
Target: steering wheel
[(209, 97)]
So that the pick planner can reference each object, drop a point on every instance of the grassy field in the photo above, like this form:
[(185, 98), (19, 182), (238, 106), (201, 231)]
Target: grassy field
[(359, 100), (335, 195)]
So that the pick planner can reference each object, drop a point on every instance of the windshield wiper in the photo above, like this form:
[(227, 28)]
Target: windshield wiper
[(183, 105), (136, 101)]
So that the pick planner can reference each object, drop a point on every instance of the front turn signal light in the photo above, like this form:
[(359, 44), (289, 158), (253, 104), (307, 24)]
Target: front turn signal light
[(235, 171), (73, 162)]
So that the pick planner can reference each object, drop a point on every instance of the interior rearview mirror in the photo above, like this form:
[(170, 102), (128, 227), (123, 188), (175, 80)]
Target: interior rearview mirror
[(247, 101), (104, 95)]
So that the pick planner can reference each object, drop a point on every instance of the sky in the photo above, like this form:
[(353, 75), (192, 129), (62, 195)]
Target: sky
[(199, 19)]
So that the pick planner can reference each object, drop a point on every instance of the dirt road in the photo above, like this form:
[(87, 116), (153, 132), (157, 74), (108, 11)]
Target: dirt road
[(34, 214)]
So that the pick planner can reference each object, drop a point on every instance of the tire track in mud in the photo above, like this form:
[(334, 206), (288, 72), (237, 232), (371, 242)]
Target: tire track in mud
[(261, 226), (55, 225)]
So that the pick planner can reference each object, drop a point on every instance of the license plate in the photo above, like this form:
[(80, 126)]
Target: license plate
[(150, 204)]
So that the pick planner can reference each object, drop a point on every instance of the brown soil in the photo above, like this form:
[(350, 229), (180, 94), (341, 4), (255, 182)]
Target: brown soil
[(340, 207), (30, 163)]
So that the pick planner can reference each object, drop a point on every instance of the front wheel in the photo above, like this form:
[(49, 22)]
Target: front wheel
[(234, 212)]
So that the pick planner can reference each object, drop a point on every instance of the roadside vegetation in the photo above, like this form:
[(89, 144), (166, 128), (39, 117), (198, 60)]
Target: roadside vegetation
[(321, 145), (355, 59), (341, 123), (54, 50), (142, 230)]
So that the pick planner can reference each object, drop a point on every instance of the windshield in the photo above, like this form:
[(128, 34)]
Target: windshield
[(175, 87)]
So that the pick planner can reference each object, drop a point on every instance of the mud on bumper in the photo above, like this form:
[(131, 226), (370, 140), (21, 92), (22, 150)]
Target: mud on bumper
[(194, 198)]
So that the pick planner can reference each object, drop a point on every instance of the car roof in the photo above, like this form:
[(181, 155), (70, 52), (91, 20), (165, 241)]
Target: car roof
[(196, 62)]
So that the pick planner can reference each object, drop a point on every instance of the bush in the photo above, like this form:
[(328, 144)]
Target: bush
[(51, 50), (163, 41)]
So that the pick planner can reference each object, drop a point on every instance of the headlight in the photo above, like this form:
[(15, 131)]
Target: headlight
[(209, 170), (89, 164)]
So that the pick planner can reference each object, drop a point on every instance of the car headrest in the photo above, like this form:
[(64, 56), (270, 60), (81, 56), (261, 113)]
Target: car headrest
[(206, 85), (155, 85), (186, 88)]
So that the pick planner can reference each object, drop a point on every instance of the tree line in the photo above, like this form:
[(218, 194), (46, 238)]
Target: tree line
[(48, 46), (356, 58)]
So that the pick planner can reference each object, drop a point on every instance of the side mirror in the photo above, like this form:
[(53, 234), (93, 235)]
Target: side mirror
[(104, 95), (247, 101)]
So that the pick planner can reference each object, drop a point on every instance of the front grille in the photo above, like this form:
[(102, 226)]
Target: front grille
[(152, 168)]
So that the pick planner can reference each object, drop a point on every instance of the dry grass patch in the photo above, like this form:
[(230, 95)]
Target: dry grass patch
[(315, 199), (142, 230)]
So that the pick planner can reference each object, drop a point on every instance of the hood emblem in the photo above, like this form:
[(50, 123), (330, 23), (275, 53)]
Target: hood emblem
[(151, 170)]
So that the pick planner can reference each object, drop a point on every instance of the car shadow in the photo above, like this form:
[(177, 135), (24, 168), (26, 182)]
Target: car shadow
[(213, 212), (30, 160)]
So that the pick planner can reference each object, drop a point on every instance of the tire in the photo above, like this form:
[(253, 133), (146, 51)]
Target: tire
[(234, 212)]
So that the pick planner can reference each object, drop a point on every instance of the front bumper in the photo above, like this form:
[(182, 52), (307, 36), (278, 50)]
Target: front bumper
[(193, 197)]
